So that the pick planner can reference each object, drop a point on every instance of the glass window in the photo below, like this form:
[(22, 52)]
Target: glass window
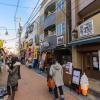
[(59, 5), (63, 28), (62, 4), (60, 29)]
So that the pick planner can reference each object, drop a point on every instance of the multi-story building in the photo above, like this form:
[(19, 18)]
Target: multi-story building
[(86, 37), (55, 28), (31, 38)]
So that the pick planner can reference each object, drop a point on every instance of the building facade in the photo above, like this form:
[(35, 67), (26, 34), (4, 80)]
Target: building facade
[(86, 37), (55, 26)]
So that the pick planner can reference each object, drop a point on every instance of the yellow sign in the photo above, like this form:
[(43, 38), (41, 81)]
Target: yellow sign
[(25, 45), (1, 43), (36, 52)]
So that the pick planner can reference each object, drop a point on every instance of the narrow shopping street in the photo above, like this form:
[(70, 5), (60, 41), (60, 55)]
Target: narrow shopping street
[(32, 86)]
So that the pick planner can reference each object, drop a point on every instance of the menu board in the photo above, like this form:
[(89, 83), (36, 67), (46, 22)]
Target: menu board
[(76, 76)]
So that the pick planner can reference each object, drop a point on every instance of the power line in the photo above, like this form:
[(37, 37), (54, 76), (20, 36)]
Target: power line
[(7, 29), (28, 22), (32, 12), (13, 5), (39, 11)]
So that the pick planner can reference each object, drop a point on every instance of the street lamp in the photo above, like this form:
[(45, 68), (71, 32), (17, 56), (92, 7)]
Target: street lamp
[(74, 34)]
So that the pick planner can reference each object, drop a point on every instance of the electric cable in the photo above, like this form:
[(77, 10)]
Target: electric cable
[(32, 12), (56, 9), (13, 5)]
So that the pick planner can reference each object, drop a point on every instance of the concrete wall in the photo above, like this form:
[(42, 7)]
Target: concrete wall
[(76, 58)]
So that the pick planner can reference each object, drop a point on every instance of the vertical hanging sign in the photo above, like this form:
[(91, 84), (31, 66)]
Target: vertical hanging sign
[(99, 59)]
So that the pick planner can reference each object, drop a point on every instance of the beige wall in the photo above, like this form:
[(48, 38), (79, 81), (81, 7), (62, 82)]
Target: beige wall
[(76, 58), (96, 22), (96, 25), (74, 14), (61, 15), (77, 6)]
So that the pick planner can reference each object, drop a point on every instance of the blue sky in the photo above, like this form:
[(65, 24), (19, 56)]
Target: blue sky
[(7, 16)]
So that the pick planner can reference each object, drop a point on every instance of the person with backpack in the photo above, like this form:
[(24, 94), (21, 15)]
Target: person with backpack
[(56, 71)]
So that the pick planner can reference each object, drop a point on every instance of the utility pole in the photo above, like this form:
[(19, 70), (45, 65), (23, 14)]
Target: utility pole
[(19, 33)]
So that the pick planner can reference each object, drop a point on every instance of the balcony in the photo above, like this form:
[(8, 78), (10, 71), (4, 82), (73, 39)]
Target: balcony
[(49, 14), (50, 5), (90, 27), (88, 6), (87, 32), (50, 20)]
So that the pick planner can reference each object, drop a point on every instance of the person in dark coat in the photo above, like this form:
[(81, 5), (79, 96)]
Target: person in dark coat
[(13, 77)]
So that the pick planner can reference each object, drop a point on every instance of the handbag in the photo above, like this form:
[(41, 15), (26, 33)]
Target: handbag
[(51, 83)]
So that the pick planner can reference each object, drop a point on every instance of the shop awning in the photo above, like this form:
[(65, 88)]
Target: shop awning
[(85, 41)]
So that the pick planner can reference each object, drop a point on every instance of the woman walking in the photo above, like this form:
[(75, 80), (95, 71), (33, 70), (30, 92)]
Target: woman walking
[(56, 72)]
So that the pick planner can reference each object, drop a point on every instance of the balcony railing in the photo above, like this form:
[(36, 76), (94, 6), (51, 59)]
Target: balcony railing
[(88, 28), (50, 20)]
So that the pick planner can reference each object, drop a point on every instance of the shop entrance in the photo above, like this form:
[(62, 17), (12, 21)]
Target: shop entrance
[(91, 64)]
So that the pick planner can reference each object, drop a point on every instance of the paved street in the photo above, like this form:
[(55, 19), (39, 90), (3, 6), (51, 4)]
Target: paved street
[(33, 86)]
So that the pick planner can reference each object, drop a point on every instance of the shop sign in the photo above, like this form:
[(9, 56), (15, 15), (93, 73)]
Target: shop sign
[(76, 76), (30, 42), (86, 28), (25, 45), (60, 40), (36, 52), (1, 43), (45, 44), (41, 37)]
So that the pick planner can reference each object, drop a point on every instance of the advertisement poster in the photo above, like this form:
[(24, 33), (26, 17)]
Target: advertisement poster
[(95, 62), (69, 67)]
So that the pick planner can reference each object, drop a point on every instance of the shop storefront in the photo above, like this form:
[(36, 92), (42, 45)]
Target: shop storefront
[(63, 55), (86, 47), (90, 56), (46, 53)]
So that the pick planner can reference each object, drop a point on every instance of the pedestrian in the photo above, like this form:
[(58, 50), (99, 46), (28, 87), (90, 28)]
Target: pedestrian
[(1, 62), (13, 77), (49, 77), (41, 63), (56, 71), (18, 64)]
